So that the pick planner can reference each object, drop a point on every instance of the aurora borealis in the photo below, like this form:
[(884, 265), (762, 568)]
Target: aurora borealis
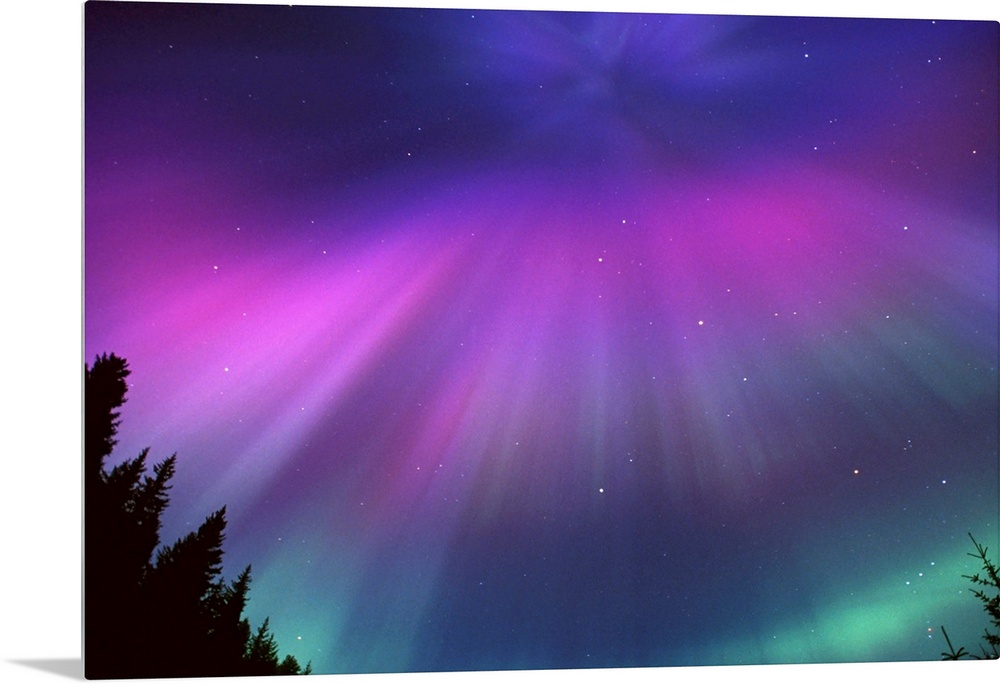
[(557, 340)]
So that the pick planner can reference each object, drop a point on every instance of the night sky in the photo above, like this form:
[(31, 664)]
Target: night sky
[(546, 340)]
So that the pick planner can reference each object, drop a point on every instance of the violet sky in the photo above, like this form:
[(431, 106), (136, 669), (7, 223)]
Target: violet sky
[(545, 340)]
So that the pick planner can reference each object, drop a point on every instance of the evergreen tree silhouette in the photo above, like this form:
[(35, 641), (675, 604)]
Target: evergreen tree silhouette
[(263, 651), (172, 617), (229, 633), (990, 599), (113, 569), (174, 598)]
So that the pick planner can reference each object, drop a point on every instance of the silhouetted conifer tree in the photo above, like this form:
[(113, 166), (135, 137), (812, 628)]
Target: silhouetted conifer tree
[(263, 651), (991, 604), (229, 631), (172, 617)]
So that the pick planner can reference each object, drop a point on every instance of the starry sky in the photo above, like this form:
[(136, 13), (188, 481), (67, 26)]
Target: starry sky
[(522, 339)]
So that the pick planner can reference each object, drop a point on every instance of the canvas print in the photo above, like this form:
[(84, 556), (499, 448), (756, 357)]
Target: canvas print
[(429, 340)]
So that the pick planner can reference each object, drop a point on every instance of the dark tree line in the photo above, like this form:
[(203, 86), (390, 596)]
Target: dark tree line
[(153, 610)]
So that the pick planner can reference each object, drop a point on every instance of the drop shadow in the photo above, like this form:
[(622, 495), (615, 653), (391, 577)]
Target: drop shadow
[(71, 668)]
